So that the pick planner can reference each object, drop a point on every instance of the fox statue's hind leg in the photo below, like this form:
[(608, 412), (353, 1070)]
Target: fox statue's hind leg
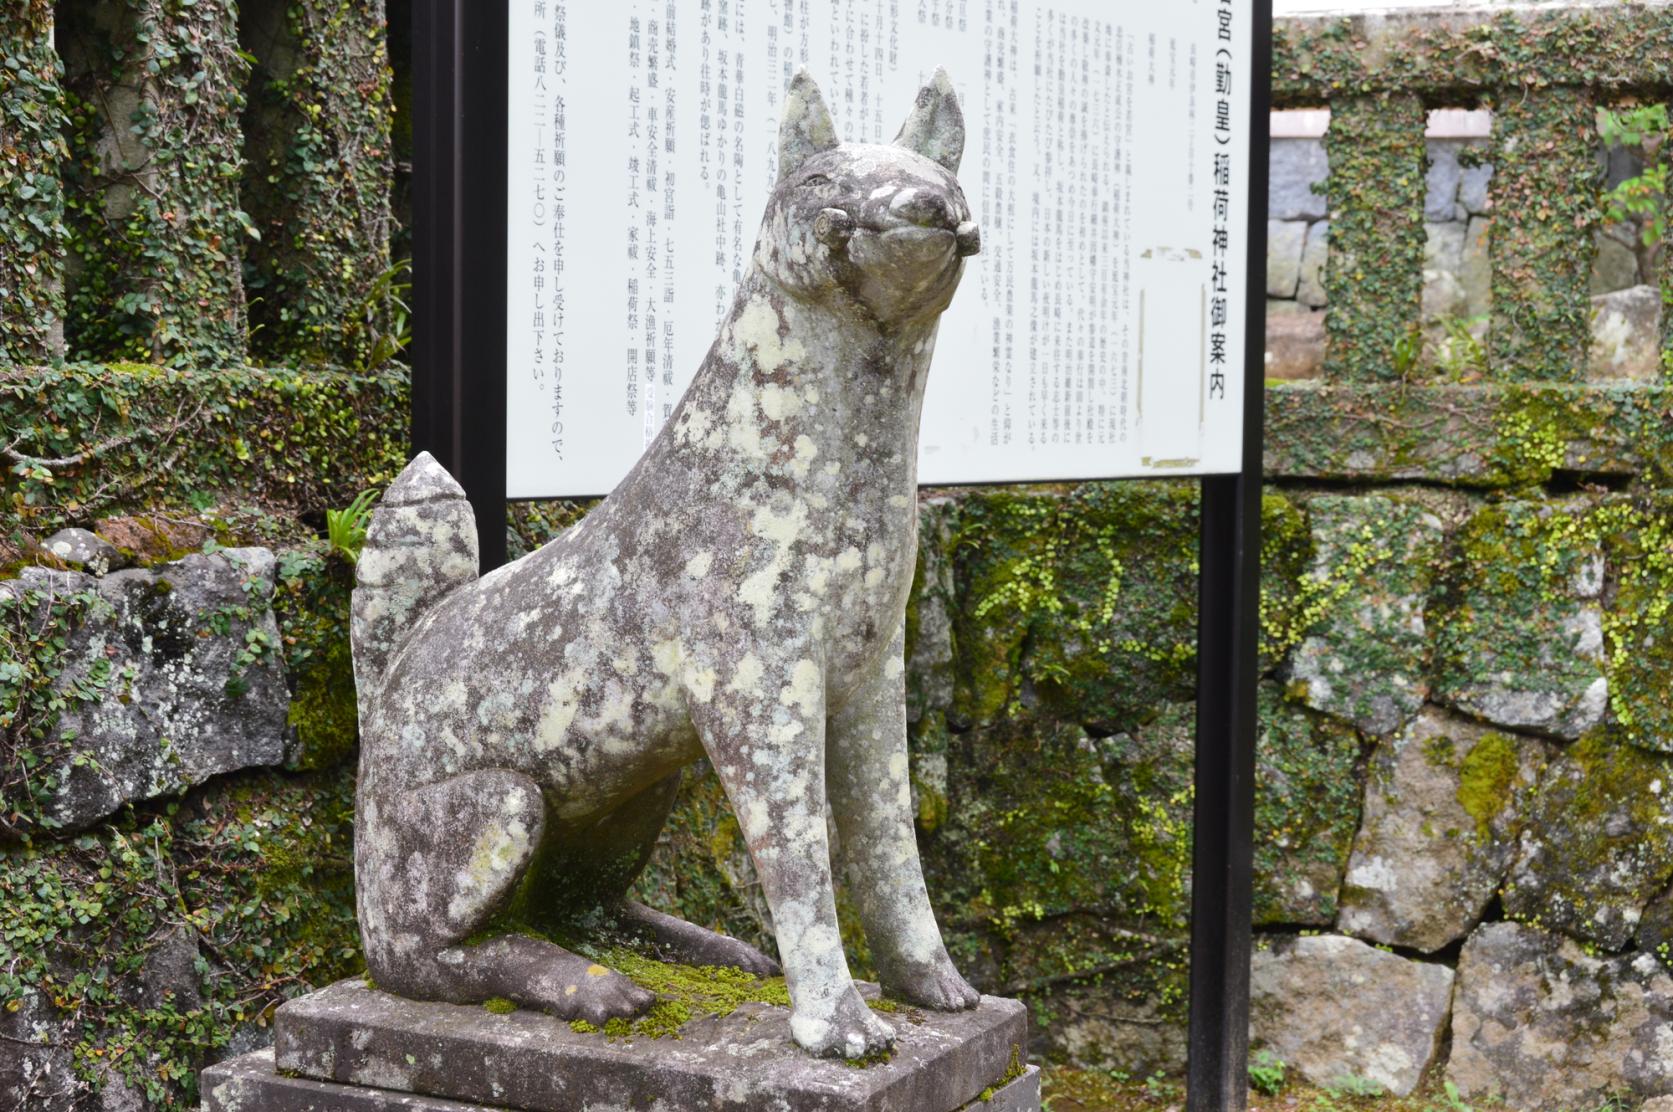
[(592, 867), (437, 862)]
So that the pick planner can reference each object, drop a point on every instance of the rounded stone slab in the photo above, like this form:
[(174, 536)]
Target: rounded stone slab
[(350, 1034)]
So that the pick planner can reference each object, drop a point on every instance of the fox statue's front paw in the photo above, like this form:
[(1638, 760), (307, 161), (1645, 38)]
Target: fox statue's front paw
[(935, 985), (849, 1030)]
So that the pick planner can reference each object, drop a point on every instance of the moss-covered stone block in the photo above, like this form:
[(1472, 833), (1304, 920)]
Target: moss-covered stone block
[(152, 941), (311, 603), (1460, 55), (1307, 804), (929, 612), (1445, 800), (1363, 651), (32, 233), (1478, 435), (1060, 872), (318, 180), (1518, 619), (1598, 844), (1084, 598), (1286, 554), (1638, 620), (156, 232), (1374, 279), (1545, 178), (88, 440)]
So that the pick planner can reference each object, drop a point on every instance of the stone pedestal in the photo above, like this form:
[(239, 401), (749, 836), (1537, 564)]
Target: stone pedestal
[(353, 1048)]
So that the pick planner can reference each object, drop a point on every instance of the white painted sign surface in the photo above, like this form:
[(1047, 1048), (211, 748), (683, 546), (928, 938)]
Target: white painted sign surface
[(1099, 333)]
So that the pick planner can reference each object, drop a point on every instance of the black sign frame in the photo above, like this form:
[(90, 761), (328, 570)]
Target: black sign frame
[(459, 80)]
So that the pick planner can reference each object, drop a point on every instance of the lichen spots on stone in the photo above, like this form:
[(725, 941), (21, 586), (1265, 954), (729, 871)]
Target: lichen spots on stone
[(757, 330), (805, 687)]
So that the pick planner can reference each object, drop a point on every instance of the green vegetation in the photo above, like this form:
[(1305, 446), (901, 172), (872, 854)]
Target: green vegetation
[(345, 529), (1641, 199), (1374, 278)]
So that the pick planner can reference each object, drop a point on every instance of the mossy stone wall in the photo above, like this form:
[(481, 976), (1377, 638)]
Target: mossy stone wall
[(316, 181), (31, 195), (190, 183), (1375, 276), (156, 232)]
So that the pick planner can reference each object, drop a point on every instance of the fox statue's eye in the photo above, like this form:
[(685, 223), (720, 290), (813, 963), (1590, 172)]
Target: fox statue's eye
[(815, 180)]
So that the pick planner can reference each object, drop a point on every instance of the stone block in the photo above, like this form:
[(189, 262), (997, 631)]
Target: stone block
[(1333, 1008), (81, 550), (1626, 336), (1314, 256), (1472, 189), (1470, 435), (1475, 269), (1295, 341), (1614, 267), (1442, 179), (170, 676), (1363, 656), (349, 1034), (1519, 626), (1541, 1025), (1306, 811), (1284, 241), (1597, 845), (249, 1083), (1296, 166), (1443, 265), (1063, 853), (1636, 532), (1444, 803)]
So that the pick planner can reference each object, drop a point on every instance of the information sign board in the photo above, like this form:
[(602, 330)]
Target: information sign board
[(1099, 333)]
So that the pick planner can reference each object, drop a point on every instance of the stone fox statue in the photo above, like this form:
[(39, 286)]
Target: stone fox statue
[(741, 594)]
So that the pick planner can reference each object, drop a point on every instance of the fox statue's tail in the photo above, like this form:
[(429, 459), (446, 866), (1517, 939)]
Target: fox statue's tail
[(420, 546)]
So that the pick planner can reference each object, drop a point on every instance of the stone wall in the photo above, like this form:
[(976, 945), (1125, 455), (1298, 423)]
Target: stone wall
[(1457, 290)]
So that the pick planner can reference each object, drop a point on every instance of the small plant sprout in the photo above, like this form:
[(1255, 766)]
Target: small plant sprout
[(345, 529), (1266, 1073)]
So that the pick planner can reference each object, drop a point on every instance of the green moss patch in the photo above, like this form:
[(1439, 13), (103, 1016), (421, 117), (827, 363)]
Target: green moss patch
[(1486, 778)]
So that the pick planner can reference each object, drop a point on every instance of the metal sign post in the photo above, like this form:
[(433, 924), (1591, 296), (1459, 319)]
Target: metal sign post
[(459, 280), (1228, 632), (461, 67)]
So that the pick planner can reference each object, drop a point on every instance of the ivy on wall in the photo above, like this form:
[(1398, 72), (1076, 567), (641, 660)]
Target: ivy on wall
[(1618, 46), (85, 439), (31, 149), (156, 88), (1374, 277), (318, 178), (1545, 184)]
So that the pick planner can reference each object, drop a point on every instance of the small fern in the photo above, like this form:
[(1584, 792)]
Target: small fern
[(345, 529)]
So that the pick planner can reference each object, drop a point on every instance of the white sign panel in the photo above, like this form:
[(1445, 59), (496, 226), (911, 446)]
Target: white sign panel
[(1099, 333)]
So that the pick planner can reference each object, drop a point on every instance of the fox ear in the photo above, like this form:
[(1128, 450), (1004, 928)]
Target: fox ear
[(935, 129), (806, 129)]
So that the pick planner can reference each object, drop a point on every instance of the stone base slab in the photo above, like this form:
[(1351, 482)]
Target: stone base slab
[(250, 1084), (352, 1035)]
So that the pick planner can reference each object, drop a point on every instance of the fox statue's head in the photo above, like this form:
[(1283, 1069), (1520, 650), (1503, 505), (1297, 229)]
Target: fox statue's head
[(886, 225)]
